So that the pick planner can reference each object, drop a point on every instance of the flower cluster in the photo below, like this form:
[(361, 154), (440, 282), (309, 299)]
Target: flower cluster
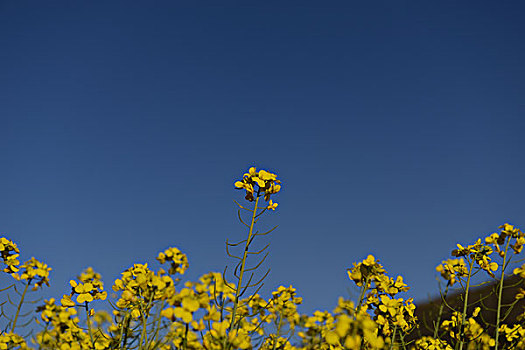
[(471, 332), (63, 330), (33, 270), (497, 240), (341, 330), (178, 261), (218, 336), (514, 335), (283, 305), (478, 252), (395, 313), (12, 341), (378, 293), (10, 253), (89, 288), (187, 302), (452, 270), (257, 183), (141, 286), (429, 343), (462, 327), (366, 271)]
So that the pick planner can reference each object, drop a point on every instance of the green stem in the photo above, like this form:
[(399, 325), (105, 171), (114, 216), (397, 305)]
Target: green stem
[(500, 293), (403, 341), (157, 328), (278, 334), (123, 324), (393, 338), (20, 305), (465, 304), (440, 313), (239, 286), (364, 288), (88, 321), (144, 334), (185, 341), (127, 322), (144, 328)]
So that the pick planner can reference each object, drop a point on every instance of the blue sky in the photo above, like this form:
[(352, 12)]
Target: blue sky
[(396, 128)]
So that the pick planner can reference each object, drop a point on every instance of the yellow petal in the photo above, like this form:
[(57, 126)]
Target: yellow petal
[(263, 174), (168, 313), (102, 296), (84, 297), (135, 313), (259, 181), (190, 304), (183, 314), (79, 288), (332, 338), (88, 287), (67, 302)]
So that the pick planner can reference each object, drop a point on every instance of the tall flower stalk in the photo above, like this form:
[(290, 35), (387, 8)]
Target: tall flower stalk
[(259, 187)]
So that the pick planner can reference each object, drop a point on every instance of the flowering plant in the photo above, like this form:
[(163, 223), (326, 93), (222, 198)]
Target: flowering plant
[(152, 309)]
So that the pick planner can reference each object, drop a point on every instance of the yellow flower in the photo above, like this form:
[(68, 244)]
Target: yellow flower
[(9, 252), (452, 269), (8, 246), (266, 182), (266, 176), (272, 205), (369, 261), (390, 305), (332, 338), (251, 172), (83, 288), (67, 302), (90, 288), (509, 230), (190, 304), (183, 314), (519, 271), (178, 261), (518, 245), (34, 270), (84, 297)]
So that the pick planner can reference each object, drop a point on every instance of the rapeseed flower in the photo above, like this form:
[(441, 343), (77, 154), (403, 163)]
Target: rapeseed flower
[(10, 253), (33, 270), (452, 269), (257, 183), (12, 341), (89, 288), (429, 343), (178, 261), (366, 271)]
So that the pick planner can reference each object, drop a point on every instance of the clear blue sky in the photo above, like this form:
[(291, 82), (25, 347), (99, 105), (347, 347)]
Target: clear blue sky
[(396, 128)]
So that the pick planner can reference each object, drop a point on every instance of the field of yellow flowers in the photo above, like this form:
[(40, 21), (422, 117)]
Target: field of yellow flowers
[(156, 310)]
